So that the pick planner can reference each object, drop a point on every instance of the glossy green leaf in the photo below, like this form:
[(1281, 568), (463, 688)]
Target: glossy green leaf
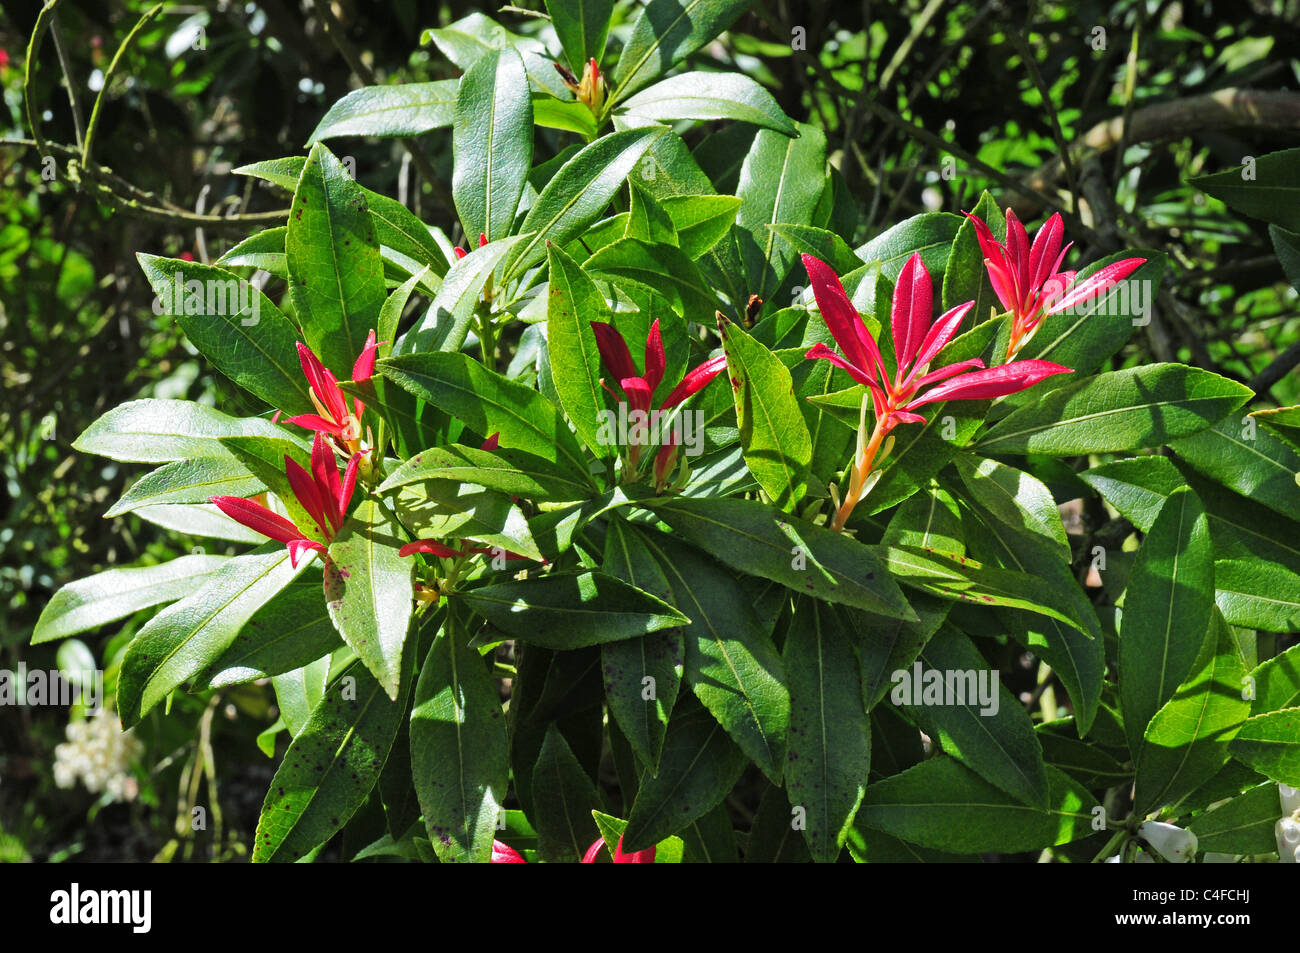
[(336, 276), (564, 798), (184, 638), (293, 629), (1257, 595), (1247, 459), (508, 471), (114, 594), (1187, 740), (251, 342), (493, 143), (1268, 187), (830, 738), (699, 95), (1123, 410), (459, 751), (1244, 825), (929, 235), (582, 26), (731, 663), (780, 182), (188, 481), (330, 767), (699, 766), (405, 109), (665, 32), (567, 610), (579, 193), (640, 707), (773, 433), (488, 403), (573, 302), (974, 717), (368, 590), (664, 270), (944, 805), (810, 559), (1167, 611), (1277, 682), (1271, 745), (1015, 498), (264, 250)]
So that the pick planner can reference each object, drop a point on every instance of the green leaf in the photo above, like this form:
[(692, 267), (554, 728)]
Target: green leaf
[(508, 471), (959, 578), (1265, 188), (772, 837), (1187, 740), (282, 172), (117, 593), (581, 26), (1271, 745), (198, 519), (264, 249), (579, 193), (1277, 682), (810, 559), (944, 805), (459, 750), (180, 641), (820, 243), (700, 220), (670, 850), (1239, 527), (475, 35), (830, 737), (460, 296), (330, 767), (293, 629), (449, 508), (1257, 595), (647, 219), (699, 95), (573, 302), (1123, 410), (567, 610), (252, 343), (1244, 825), (336, 276), (929, 235), (1241, 457), (731, 663), (777, 446), (780, 182), (406, 109), (488, 403), (665, 32), (1167, 611), (664, 270), (188, 481), (368, 590), (298, 692), (626, 664), (699, 766), (396, 227), (1286, 244), (162, 431), (493, 144), (563, 798), (1015, 498), (990, 733)]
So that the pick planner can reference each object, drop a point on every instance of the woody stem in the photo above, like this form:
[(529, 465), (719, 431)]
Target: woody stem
[(861, 470)]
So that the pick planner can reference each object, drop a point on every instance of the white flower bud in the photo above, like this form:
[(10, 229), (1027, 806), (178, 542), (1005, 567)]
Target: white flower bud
[(1287, 831), (1290, 798), (1174, 844)]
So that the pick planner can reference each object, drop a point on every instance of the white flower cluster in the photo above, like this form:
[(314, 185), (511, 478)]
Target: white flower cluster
[(1288, 828), (98, 752)]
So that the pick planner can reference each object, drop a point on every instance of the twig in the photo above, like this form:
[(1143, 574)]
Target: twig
[(57, 34), (93, 127)]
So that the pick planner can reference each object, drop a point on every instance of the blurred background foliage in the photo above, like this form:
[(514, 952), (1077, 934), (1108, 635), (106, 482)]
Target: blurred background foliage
[(1101, 110)]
